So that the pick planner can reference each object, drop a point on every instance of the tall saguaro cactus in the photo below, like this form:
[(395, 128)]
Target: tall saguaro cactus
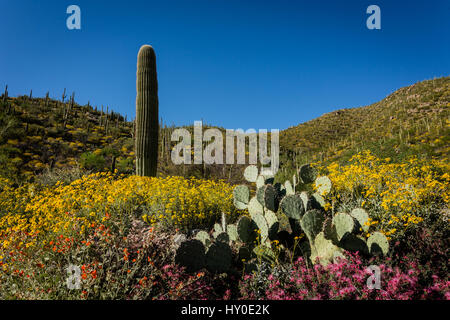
[(146, 113)]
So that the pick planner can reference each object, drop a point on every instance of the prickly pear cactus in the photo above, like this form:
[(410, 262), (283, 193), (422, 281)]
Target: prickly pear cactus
[(251, 173), (260, 195), (312, 223), (378, 243), (329, 230), (260, 181), (292, 206), (223, 237), (323, 185), (245, 229), (232, 232), (261, 223), (204, 237), (191, 255), (316, 201), (241, 197), (323, 249), (270, 198), (219, 257), (217, 230), (272, 223), (344, 224), (361, 217), (254, 206), (289, 188), (307, 173), (352, 242)]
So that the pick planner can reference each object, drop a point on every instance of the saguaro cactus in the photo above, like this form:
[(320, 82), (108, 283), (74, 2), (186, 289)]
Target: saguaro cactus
[(146, 113)]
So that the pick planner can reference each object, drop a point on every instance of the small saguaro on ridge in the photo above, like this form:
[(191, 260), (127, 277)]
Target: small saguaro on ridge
[(146, 113)]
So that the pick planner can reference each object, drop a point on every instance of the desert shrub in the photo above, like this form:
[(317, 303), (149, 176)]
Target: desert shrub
[(63, 175), (125, 165), (344, 279), (113, 263), (394, 194), (173, 202), (92, 161)]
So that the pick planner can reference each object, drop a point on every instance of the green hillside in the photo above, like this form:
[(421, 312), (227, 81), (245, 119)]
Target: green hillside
[(413, 120)]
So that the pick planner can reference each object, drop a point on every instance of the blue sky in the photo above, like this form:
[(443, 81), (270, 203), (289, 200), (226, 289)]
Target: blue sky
[(233, 63)]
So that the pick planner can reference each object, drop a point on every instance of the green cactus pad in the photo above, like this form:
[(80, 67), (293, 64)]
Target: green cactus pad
[(307, 173), (191, 255), (289, 188), (312, 223), (351, 242), (241, 196), (232, 232), (260, 181), (223, 237), (269, 197), (292, 206), (272, 223), (217, 230), (316, 201), (323, 249), (268, 178), (343, 224), (329, 231), (378, 243), (255, 207), (305, 198), (251, 173), (280, 191), (218, 257), (261, 223), (204, 237), (361, 217), (323, 185), (245, 229), (239, 205), (260, 195)]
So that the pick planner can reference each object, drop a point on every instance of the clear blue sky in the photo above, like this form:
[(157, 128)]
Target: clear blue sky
[(233, 63)]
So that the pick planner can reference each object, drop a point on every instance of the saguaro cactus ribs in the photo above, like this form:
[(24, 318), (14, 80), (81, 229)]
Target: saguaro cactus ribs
[(146, 113)]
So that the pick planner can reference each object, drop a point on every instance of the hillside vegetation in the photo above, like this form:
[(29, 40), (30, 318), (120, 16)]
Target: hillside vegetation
[(413, 120), (42, 134)]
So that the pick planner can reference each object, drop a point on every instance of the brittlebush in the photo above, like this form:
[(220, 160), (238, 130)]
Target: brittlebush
[(396, 195), (176, 202)]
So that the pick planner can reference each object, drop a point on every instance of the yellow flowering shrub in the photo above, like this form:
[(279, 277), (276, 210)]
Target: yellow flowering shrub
[(395, 194), (61, 209)]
